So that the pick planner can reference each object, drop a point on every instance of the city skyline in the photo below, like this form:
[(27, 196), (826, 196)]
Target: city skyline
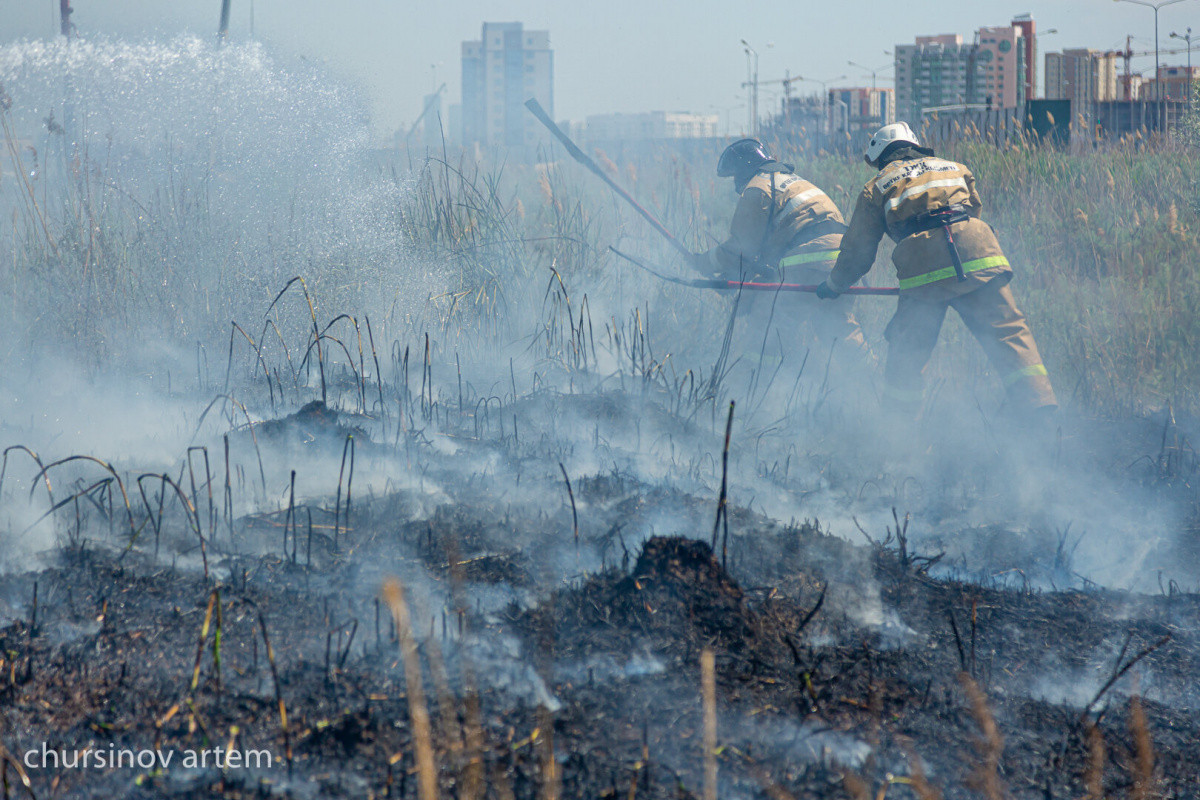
[(629, 58)]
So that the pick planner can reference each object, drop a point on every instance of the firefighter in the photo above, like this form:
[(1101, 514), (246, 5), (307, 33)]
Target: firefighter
[(945, 256), (784, 230)]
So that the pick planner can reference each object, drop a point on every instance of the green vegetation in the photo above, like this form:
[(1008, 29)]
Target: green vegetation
[(1105, 244)]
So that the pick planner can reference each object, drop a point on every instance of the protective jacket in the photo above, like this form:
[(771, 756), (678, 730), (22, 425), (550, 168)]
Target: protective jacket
[(780, 221), (900, 202), (914, 199)]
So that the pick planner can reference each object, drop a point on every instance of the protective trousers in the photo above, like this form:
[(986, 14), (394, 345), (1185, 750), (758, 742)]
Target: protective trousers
[(992, 316)]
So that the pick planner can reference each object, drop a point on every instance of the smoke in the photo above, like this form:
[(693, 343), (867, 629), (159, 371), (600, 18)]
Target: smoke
[(223, 173)]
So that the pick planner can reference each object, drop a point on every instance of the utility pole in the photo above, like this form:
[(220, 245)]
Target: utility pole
[(64, 13), (223, 29), (787, 99), (1187, 37)]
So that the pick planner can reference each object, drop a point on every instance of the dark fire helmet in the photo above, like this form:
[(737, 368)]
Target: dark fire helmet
[(744, 155)]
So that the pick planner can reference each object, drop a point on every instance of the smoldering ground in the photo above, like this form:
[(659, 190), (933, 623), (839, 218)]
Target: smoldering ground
[(505, 425)]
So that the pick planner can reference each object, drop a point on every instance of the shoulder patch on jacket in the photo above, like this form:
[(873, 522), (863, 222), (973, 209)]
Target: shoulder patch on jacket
[(913, 169)]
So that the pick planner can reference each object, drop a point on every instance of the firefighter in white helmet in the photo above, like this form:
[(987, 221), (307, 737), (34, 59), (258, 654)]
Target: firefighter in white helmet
[(945, 256), (784, 230)]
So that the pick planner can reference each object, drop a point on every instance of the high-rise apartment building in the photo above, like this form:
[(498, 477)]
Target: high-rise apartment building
[(1000, 55), (1082, 76), (505, 67), (1029, 40), (931, 73), (861, 109), (941, 71)]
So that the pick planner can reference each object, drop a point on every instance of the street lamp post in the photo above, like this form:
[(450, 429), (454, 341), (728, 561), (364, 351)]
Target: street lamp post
[(1187, 37), (752, 79), (873, 72), (824, 97), (1156, 7)]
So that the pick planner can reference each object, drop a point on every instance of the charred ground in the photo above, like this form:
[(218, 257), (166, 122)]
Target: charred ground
[(841, 668)]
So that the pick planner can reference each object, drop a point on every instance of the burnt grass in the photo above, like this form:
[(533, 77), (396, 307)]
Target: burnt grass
[(842, 670)]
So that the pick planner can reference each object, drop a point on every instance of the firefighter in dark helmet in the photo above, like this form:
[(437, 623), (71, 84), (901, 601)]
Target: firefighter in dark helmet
[(945, 257), (784, 230)]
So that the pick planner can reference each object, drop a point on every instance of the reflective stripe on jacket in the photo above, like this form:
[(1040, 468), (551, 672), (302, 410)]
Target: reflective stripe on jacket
[(904, 190), (774, 209)]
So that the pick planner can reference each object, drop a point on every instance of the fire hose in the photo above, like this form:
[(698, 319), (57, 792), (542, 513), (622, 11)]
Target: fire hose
[(754, 286), (536, 109)]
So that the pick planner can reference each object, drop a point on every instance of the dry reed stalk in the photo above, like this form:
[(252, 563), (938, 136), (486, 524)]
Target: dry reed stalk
[(262, 474), (259, 361), (104, 465), (708, 690), (288, 520), (501, 783), (36, 459), (1119, 671), (855, 786), (208, 615), (985, 778), (1093, 776), (228, 496), (473, 776), (193, 516), (283, 720), (316, 328), (383, 412), (216, 647), (446, 702), (574, 514), (473, 786), (551, 780), (723, 498), (393, 594), (8, 760), (1145, 784), (917, 778), (347, 449)]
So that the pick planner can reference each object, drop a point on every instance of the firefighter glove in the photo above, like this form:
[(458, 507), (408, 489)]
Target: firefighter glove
[(826, 292)]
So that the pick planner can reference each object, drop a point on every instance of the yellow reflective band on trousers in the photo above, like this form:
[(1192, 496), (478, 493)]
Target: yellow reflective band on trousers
[(948, 272), (1031, 371), (809, 258)]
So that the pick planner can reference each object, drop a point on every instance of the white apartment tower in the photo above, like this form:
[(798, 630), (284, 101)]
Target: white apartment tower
[(505, 67), (1082, 76), (942, 72)]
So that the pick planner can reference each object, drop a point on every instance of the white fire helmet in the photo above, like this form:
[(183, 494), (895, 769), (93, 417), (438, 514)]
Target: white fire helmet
[(888, 134)]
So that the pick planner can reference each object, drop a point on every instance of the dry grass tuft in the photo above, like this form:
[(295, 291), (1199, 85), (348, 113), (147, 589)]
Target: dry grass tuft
[(1145, 784), (1093, 777), (393, 594), (985, 778), (708, 689)]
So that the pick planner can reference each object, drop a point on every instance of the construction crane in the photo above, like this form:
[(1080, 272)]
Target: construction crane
[(787, 82), (1128, 55)]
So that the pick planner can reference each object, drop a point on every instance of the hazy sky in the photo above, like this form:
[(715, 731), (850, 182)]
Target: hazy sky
[(617, 55)]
